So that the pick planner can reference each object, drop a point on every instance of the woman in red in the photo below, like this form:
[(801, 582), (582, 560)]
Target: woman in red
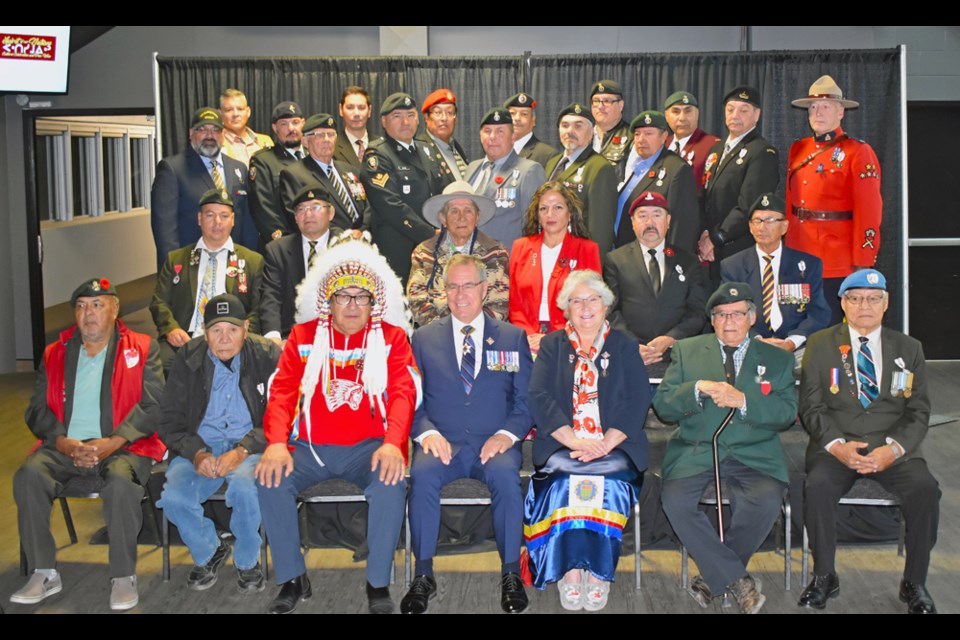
[(555, 242)]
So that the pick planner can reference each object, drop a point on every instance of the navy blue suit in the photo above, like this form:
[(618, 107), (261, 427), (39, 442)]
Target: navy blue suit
[(744, 266), (180, 182), (497, 401)]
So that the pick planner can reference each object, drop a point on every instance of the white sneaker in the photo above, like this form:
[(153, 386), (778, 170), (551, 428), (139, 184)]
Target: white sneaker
[(123, 593), (38, 587)]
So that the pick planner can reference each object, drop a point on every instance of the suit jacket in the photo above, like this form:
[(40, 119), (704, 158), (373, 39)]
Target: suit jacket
[(283, 271), (754, 438), (624, 394), (595, 181), (397, 183), (677, 185), (266, 205), (345, 151), (827, 415), (424, 137), (511, 187), (174, 302), (798, 318), (526, 277), (307, 171), (750, 170), (498, 399), (538, 151), (695, 153), (676, 312), (178, 185)]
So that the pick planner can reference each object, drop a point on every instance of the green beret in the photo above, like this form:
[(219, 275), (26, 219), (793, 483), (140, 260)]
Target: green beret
[(650, 119), (606, 86), (730, 292), (92, 288), (497, 115), (520, 100), (319, 121), (216, 196), (576, 109), (396, 101), (743, 94), (681, 97), (768, 202), (312, 191)]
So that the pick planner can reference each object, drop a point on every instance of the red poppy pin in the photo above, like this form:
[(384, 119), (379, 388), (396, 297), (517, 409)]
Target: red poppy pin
[(104, 283), (498, 179), (668, 252), (617, 140), (844, 349), (652, 174)]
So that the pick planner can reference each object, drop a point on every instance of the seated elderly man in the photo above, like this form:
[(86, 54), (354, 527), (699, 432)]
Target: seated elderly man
[(193, 274), (476, 370), (212, 421), (708, 377), (790, 282), (658, 286), (94, 410), (341, 404), (458, 213), (863, 399)]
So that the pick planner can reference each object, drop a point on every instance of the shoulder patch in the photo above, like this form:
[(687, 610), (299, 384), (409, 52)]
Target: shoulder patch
[(372, 162), (253, 173)]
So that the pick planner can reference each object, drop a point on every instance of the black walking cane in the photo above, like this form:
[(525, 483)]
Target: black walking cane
[(716, 469)]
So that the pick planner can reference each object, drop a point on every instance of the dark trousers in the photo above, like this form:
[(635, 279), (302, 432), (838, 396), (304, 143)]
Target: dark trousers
[(501, 474), (278, 506), (42, 477), (755, 500), (828, 479)]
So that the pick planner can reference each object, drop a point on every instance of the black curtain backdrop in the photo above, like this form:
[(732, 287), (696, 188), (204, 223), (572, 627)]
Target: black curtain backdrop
[(871, 77)]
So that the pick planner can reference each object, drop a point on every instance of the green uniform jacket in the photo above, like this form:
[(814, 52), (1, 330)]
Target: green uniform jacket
[(175, 295), (828, 416), (754, 438), (595, 182)]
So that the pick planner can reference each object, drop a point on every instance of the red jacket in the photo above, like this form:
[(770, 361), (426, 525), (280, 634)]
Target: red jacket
[(126, 384), (695, 153), (344, 425), (526, 279), (844, 177)]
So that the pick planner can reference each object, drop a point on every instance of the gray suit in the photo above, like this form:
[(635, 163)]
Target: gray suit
[(511, 186)]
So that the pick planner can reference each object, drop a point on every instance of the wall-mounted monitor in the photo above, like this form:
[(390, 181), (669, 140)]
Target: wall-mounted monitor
[(34, 59)]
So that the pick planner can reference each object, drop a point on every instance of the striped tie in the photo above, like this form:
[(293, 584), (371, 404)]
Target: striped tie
[(461, 165), (312, 254), (866, 374), (469, 360), (215, 174), (767, 288), (341, 192)]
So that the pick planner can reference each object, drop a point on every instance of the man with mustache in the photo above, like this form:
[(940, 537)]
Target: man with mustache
[(182, 179), (266, 205)]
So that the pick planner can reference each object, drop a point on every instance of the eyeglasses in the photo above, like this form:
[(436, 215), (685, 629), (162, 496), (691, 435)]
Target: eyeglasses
[(756, 222), (604, 101), (312, 208), (858, 300), (729, 315), (590, 301), (362, 299), (466, 287)]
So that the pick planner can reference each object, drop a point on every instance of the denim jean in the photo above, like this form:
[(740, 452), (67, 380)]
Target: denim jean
[(182, 500)]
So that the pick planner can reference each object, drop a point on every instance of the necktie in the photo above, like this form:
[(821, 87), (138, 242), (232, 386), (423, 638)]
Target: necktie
[(676, 146), (341, 192), (469, 360), (729, 366), (208, 288), (727, 148), (299, 154), (654, 268), (312, 254), (561, 166), (484, 177), (767, 288), (216, 175), (866, 374), (461, 165), (360, 149)]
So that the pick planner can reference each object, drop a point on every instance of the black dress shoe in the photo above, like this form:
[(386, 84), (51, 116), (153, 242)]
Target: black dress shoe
[(422, 590), (513, 598), (291, 592), (379, 600), (820, 589), (916, 597)]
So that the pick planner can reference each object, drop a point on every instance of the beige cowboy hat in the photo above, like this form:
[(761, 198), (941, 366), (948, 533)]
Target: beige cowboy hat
[(455, 191), (825, 88)]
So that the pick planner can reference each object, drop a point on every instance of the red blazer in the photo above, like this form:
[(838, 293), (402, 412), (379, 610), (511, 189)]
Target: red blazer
[(526, 279)]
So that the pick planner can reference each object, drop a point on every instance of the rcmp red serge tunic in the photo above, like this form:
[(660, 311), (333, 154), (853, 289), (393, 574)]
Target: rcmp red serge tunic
[(844, 177)]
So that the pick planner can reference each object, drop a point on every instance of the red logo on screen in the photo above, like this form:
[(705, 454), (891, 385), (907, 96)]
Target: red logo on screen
[(14, 45)]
